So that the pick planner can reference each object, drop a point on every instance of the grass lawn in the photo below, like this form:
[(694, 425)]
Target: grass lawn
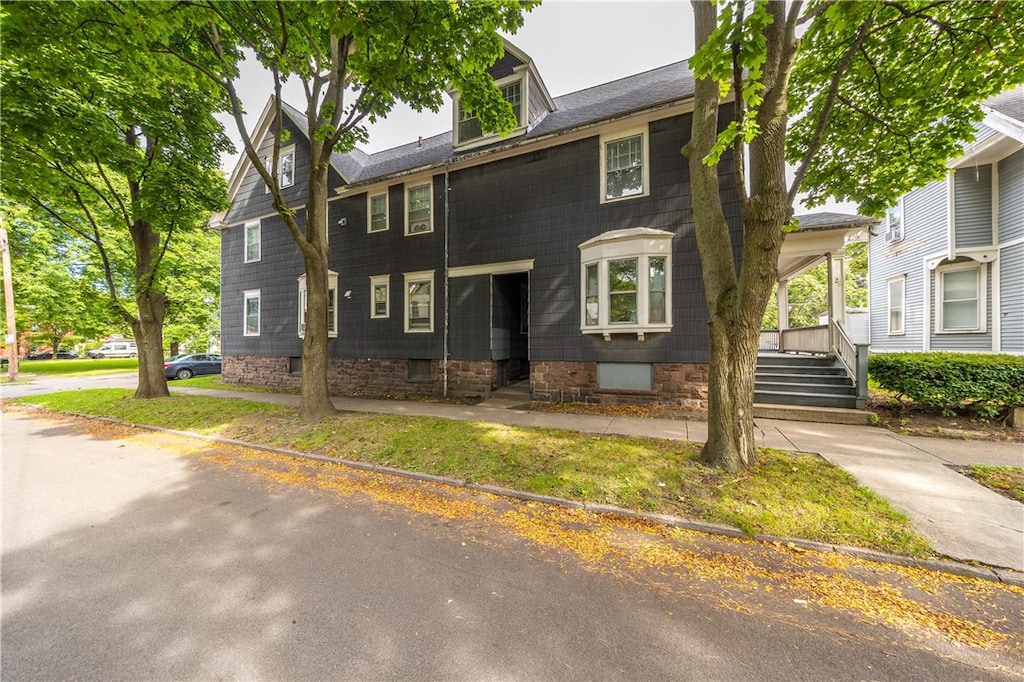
[(77, 367), (786, 494)]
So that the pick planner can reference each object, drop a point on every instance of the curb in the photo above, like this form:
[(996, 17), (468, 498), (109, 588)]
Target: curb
[(996, 574)]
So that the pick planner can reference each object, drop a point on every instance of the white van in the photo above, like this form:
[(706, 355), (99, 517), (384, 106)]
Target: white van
[(115, 349)]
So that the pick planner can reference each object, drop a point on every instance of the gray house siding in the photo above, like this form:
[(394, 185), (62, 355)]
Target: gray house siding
[(357, 255), (1011, 198), (1011, 292), (972, 200), (924, 227)]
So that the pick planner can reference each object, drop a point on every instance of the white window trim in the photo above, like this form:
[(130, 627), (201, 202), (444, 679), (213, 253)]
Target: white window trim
[(981, 272), (898, 236), (640, 243), (902, 279), (412, 278), (332, 291), (524, 100), (429, 182), (286, 152), (259, 242), (246, 297), (266, 165), (376, 281), (607, 138), (370, 196)]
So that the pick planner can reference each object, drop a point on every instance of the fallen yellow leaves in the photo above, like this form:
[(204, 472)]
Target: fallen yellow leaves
[(738, 575)]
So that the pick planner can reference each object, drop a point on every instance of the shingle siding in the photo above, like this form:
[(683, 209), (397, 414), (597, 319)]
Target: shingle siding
[(973, 206)]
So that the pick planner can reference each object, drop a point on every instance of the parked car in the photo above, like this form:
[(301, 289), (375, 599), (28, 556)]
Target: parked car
[(46, 355), (115, 349), (192, 364)]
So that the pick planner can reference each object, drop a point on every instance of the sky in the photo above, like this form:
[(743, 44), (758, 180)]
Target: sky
[(575, 44)]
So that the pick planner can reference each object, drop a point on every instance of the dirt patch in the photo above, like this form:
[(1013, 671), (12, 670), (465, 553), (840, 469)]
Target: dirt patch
[(917, 420)]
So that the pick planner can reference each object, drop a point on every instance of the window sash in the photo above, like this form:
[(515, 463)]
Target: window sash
[(419, 209), (419, 299), (894, 223), (961, 293), (592, 302), (624, 167), (622, 291), (287, 174), (469, 126), (656, 290), (378, 212), (896, 304), (253, 238), (380, 292), (252, 314)]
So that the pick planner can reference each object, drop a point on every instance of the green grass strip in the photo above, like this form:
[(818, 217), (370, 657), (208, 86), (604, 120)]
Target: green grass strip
[(787, 494)]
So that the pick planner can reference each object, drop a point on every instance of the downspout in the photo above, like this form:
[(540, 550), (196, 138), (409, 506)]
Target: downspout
[(444, 342)]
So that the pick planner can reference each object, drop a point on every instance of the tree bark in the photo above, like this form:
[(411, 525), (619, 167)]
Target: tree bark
[(148, 327), (315, 400)]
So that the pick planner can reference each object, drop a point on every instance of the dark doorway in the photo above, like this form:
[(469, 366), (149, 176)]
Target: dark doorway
[(510, 328)]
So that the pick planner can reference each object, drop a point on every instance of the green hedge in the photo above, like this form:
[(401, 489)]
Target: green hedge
[(950, 381)]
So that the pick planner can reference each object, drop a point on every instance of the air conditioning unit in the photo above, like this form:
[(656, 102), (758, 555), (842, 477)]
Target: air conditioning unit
[(419, 227)]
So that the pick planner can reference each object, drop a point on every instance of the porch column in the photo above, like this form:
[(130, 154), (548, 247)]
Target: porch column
[(837, 287), (782, 300)]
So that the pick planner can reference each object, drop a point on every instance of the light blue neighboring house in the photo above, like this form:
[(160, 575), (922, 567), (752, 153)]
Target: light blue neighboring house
[(946, 266)]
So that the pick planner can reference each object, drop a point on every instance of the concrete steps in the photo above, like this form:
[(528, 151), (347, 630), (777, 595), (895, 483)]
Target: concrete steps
[(802, 380)]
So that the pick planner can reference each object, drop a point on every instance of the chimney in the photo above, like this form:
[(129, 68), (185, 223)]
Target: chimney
[(419, 143)]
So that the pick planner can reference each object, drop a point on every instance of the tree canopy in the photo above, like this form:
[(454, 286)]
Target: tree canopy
[(110, 141), (868, 99)]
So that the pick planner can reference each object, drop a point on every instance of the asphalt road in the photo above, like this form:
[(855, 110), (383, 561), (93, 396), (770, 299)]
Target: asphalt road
[(126, 558)]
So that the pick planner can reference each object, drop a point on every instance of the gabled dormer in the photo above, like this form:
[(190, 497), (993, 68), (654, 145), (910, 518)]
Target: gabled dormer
[(516, 76)]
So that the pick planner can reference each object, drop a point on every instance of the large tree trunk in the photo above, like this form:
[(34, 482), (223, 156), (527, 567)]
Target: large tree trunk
[(736, 301), (315, 401), (148, 327)]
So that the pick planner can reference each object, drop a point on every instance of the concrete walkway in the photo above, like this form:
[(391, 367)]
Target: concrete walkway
[(962, 519)]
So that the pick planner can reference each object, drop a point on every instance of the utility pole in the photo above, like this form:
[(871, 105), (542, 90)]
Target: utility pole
[(12, 330)]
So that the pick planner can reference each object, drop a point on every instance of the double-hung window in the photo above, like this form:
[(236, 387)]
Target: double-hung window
[(894, 223), (468, 126), (625, 284), (380, 296), (625, 169), (419, 301), (377, 210), (897, 295), (253, 239), (332, 304), (961, 298), (286, 167), (418, 215), (251, 306)]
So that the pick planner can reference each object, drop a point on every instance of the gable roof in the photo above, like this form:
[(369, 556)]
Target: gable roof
[(1009, 104), (658, 87)]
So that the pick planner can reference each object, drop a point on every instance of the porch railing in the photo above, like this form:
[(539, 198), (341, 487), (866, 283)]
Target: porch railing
[(827, 339)]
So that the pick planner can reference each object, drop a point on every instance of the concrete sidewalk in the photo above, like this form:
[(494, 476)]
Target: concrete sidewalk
[(962, 519)]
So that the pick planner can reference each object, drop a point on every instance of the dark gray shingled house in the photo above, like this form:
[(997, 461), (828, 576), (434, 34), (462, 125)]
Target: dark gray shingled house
[(562, 254)]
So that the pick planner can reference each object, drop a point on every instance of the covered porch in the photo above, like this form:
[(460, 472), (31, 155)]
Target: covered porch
[(821, 237)]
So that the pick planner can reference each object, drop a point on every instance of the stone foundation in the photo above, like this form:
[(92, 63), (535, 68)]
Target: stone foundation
[(681, 384)]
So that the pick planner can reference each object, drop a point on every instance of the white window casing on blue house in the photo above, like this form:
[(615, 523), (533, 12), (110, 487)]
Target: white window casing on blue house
[(419, 214), (286, 167), (251, 312), (894, 222), (253, 241), (626, 282), (466, 129), (625, 165), (377, 212), (332, 305), (380, 297), (419, 302)]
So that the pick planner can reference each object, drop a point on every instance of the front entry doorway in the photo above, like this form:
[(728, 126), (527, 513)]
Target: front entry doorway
[(510, 328)]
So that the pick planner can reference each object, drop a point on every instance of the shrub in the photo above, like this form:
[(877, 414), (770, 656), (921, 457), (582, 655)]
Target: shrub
[(949, 381)]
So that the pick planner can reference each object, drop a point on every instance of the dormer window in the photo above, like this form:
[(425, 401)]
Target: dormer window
[(468, 126)]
